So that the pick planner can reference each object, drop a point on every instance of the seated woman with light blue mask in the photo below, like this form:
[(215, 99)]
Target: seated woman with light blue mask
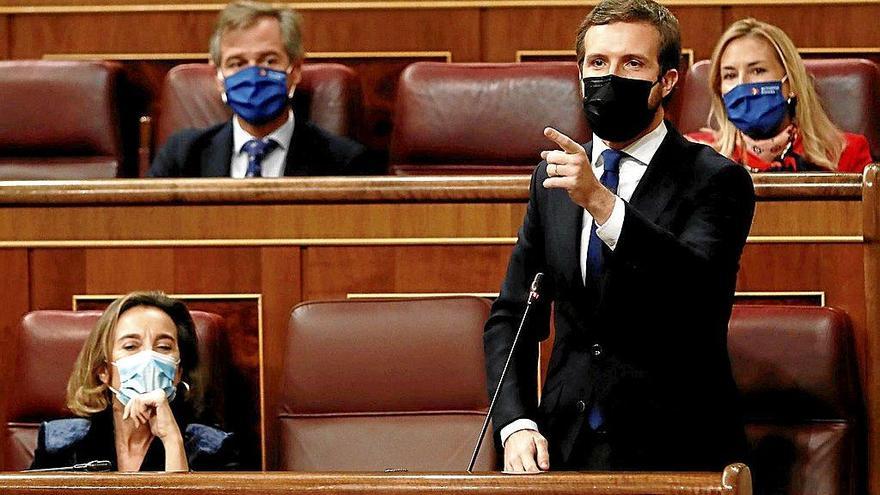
[(125, 387)]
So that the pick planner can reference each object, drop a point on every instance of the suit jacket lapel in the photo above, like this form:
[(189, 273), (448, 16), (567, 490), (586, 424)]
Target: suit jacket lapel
[(297, 159), (658, 184), (217, 156), (571, 223)]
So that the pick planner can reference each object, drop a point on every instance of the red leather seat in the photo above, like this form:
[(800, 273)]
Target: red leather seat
[(48, 345), (796, 370), (370, 385), (848, 88), (60, 120), (329, 95), (482, 118)]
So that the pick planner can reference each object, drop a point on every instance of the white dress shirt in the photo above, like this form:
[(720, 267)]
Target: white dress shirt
[(274, 161), (632, 167)]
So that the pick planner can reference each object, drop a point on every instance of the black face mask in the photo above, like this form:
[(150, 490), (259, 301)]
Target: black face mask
[(617, 107)]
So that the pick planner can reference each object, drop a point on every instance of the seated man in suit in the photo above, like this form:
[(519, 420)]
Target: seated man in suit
[(257, 50), (639, 234)]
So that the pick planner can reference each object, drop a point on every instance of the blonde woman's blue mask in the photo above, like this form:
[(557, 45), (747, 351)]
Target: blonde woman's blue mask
[(757, 109), (144, 372)]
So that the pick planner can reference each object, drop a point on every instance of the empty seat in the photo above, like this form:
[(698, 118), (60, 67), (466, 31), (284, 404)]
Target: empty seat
[(60, 120), (482, 117), (796, 370), (370, 385), (849, 90), (48, 344), (329, 95)]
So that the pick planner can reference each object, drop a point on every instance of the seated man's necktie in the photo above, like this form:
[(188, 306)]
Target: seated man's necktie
[(256, 150)]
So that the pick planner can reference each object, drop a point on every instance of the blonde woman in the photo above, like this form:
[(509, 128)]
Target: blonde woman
[(128, 387), (765, 112)]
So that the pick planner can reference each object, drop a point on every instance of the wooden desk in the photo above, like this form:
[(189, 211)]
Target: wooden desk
[(735, 480), (261, 246)]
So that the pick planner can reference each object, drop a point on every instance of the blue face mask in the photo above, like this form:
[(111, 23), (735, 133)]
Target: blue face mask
[(757, 109), (144, 372), (256, 94)]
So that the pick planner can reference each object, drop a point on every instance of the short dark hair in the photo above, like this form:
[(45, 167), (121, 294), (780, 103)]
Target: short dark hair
[(648, 11)]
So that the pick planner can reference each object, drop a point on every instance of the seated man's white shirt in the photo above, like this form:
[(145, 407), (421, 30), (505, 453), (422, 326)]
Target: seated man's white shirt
[(632, 168), (274, 162)]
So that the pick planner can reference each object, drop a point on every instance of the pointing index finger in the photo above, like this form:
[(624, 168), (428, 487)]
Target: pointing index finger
[(564, 142)]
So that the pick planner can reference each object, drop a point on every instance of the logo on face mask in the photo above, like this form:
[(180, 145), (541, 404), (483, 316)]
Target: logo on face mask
[(617, 107), (757, 109), (144, 372), (256, 94)]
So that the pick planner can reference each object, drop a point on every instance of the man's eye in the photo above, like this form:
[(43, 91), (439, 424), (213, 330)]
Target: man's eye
[(597, 63)]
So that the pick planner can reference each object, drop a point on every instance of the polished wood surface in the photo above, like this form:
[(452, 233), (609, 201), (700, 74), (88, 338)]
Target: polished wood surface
[(735, 480), (386, 189), (871, 204), (290, 240)]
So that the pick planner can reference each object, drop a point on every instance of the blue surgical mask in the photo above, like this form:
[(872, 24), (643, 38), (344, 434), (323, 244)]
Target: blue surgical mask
[(757, 109), (144, 372), (256, 94)]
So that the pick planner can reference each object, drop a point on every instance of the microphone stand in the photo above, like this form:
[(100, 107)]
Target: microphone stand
[(533, 296), (90, 467)]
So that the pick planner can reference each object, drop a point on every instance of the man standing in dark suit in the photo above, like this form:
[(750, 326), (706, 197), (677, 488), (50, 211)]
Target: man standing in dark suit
[(639, 233), (257, 50)]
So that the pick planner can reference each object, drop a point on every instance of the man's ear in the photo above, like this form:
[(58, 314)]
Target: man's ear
[(218, 80), (295, 75), (668, 81)]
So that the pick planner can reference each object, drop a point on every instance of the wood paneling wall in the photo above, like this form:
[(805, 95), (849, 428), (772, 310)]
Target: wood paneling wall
[(474, 31), (290, 240)]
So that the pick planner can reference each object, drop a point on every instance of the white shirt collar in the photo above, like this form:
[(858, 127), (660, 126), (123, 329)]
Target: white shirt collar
[(643, 149), (282, 135)]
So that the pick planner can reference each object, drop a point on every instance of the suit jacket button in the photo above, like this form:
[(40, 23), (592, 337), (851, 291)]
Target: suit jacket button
[(581, 406), (597, 350)]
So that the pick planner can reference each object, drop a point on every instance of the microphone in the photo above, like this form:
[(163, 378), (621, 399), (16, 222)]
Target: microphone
[(533, 296), (86, 467)]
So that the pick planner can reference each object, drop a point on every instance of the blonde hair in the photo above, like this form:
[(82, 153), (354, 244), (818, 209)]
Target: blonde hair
[(244, 14), (86, 393), (823, 141)]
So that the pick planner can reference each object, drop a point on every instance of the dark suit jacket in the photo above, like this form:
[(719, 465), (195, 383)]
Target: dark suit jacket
[(208, 152), (65, 442), (648, 343)]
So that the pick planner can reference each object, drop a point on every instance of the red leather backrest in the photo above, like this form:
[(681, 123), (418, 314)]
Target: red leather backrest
[(48, 345), (797, 373), (61, 119), (487, 114), (848, 88), (329, 95), (370, 385)]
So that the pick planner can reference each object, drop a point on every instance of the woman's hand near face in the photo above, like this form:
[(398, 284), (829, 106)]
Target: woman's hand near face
[(154, 410)]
